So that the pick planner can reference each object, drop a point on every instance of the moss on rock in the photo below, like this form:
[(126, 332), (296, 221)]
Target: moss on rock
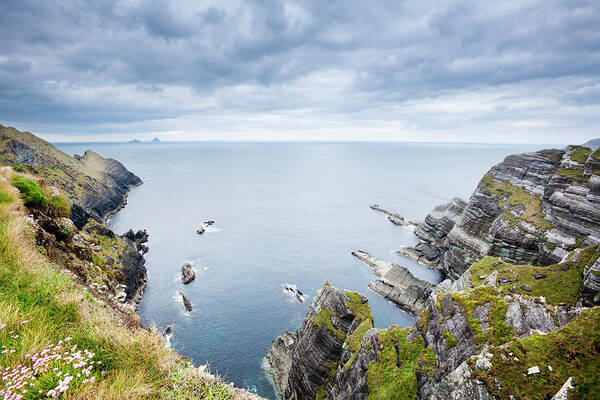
[(394, 373)]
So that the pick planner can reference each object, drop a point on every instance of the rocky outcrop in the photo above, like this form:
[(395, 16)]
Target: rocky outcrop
[(591, 284), (458, 343), (397, 284), (459, 385), (278, 361), (392, 217), (186, 301), (310, 357), (530, 209), (187, 273), (96, 186)]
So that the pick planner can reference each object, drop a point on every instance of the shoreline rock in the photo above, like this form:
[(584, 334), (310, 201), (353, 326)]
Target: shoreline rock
[(394, 218), (397, 284)]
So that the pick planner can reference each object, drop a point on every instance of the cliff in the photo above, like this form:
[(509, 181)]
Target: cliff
[(68, 290), (517, 317), (97, 187), (530, 209), (508, 333), (304, 364)]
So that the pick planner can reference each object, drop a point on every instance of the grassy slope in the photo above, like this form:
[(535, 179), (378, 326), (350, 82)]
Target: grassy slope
[(136, 363), (561, 285), (569, 352)]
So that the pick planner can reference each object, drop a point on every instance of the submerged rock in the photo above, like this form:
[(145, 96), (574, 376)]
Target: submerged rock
[(187, 273)]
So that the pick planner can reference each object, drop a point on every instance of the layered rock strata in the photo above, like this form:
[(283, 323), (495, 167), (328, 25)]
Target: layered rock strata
[(304, 364), (397, 284), (532, 208)]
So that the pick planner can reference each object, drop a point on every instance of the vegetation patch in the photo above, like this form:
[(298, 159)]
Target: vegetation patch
[(323, 318), (510, 196), (450, 339), (575, 174), (580, 154), (31, 193), (596, 154), (569, 352), (395, 370), (498, 331), (561, 285)]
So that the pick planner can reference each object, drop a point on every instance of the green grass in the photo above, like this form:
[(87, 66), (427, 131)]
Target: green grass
[(571, 352), (394, 372), (510, 196), (580, 154), (562, 284), (596, 154), (185, 388), (575, 174), (498, 331), (61, 204), (136, 363), (362, 311), (31, 193), (97, 259)]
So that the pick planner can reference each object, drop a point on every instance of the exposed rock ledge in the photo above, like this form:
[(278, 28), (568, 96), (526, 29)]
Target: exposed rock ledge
[(397, 284), (393, 217)]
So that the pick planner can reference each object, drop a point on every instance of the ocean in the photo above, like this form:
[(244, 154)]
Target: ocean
[(284, 213)]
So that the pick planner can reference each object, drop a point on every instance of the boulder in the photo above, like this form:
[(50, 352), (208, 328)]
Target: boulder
[(186, 302), (187, 273)]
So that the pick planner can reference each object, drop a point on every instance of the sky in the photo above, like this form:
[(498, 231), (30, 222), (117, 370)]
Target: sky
[(381, 70)]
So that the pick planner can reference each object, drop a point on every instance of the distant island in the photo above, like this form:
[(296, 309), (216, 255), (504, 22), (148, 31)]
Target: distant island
[(137, 141)]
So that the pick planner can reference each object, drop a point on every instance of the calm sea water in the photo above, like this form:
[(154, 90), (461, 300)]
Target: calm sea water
[(284, 213)]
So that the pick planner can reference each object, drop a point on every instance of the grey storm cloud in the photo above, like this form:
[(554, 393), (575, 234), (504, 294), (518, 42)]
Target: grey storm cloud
[(128, 62)]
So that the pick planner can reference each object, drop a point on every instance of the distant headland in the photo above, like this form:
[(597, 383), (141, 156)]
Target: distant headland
[(137, 141)]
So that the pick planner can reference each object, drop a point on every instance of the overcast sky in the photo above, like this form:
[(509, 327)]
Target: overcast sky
[(477, 71)]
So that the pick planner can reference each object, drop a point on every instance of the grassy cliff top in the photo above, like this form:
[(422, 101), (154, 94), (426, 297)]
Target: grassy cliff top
[(85, 348)]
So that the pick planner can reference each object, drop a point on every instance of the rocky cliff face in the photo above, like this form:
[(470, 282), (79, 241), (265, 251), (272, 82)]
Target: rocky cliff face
[(457, 347), (111, 266), (523, 263), (304, 364), (97, 187), (531, 209)]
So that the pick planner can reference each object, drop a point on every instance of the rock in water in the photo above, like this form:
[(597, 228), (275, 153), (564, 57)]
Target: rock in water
[(186, 302), (291, 290), (200, 231), (187, 273)]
